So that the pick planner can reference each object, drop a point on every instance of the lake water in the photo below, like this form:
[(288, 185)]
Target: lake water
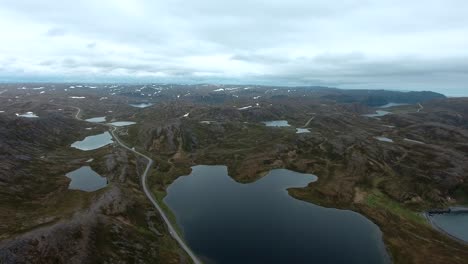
[(384, 139), (93, 142), (302, 130), (85, 179), (96, 119), (378, 113), (122, 123), (227, 222), (28, 115), (454, 224), (277, 123), (141, 105)]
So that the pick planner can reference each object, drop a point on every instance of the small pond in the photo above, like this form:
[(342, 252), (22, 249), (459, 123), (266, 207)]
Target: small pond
[(96, 119), (276, 123), (391, 105), (302, 130), (28, 115), (378, 113), (141, 105), (85, 179), (94, 142), (384, 139), (122, 123)]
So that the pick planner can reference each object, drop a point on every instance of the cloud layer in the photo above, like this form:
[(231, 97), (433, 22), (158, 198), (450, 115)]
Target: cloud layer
[(352, 43)]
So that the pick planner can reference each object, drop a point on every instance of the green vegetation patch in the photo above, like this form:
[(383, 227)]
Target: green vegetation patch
[(377, 199)]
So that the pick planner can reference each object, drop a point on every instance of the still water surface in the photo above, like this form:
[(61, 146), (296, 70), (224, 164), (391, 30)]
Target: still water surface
[(93, 142), (85, 179), (454, 224), (227, 222), (277, 123)]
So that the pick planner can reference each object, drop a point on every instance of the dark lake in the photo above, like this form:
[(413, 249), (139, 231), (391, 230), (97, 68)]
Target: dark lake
[(228, 222), (85, 179)]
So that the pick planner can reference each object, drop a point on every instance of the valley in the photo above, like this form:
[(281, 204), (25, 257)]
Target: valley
[(385, 156)]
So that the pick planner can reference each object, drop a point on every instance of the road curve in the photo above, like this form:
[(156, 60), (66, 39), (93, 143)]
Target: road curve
[(148, 194)]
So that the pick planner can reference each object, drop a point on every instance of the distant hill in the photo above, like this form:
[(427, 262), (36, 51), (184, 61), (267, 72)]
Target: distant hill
[(377, 97)]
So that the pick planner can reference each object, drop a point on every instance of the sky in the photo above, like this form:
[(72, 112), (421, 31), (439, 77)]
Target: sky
[(393, 44)]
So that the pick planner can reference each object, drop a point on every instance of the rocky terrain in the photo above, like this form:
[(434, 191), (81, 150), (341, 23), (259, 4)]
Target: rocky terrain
[(422, 165)]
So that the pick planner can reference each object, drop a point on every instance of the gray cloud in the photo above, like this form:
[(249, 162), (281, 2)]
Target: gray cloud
[(371, 43)]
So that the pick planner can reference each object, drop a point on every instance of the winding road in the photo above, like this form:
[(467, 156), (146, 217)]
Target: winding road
[(420, 107), (148, 194)]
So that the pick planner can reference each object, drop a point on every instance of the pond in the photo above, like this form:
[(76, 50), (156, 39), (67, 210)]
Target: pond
[(384, 139), (93, 142), (85, 179), (302, 130), (141, 105), (378, 113), (276, 123), (96, 119), (122, 123), (28, 115), (227, 222)]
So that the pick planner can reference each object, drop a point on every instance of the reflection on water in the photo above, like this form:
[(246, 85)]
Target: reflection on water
[(227, 222)]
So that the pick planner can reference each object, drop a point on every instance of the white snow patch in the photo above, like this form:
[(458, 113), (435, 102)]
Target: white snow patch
[(28, 115)]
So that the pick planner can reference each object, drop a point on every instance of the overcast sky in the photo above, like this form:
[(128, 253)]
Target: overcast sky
[(393, 44)]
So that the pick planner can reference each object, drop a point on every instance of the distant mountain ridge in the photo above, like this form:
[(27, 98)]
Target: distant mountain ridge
[(377, 97)]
